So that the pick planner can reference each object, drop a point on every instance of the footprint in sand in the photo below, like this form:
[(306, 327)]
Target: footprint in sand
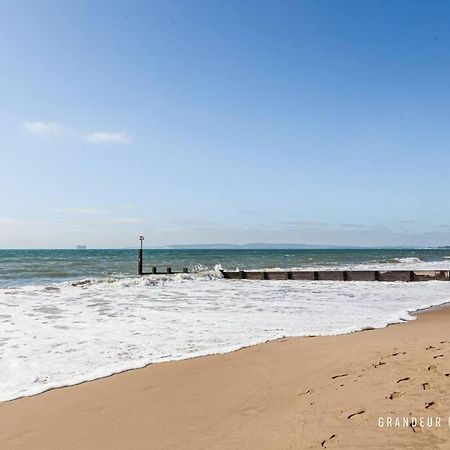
[(363, 372), (430, 347), (339, 376), (356, 414), (327, 440), (309, 391), (380, 363), (403, 379), (429, 405), (397, 353), (438, 356), (395, 394), (432, 368), (426, 386)]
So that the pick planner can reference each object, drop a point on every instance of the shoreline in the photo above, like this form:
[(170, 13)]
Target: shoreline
[(287, 393), (400, 321)]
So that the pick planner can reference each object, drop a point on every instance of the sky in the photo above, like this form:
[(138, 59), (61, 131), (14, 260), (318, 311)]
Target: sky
[(317, 122)]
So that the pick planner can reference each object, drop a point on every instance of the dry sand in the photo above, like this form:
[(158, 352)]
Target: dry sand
[(314, 392)]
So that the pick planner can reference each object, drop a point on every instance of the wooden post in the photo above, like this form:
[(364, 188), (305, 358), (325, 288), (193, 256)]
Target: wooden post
[(154, 270), (264, 276), (185, 270), (242, 274), (377, 275), (316, 275), (140, 256), (344, 275), (288, 275), (169, 270)]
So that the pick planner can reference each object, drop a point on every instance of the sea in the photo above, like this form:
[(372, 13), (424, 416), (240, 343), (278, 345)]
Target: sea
[(69, 316)]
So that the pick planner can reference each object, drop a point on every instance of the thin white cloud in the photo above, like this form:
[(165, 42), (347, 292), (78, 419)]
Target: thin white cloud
[(43, 128), (50, 128), (107, 137), (80, 210)]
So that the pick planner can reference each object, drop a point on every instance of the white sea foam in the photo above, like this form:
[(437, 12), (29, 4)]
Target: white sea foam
[(62, 334), (410, 263), (409, 259)]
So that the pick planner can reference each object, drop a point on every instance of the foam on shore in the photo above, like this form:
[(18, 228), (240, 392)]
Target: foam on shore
[(63, 334)]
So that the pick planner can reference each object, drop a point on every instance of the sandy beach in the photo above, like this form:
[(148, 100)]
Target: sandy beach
[(294, 393)]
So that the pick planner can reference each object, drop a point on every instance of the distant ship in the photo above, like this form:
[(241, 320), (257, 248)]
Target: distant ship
[(81, 247)]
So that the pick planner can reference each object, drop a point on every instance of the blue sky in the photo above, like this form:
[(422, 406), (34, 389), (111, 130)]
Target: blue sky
[(319, 122)]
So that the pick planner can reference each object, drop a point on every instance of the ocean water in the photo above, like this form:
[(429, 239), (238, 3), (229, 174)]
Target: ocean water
[(21, 267), (68, 316)]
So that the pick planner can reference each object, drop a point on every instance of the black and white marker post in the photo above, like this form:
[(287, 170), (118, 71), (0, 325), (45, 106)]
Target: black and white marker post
[(140, 256)]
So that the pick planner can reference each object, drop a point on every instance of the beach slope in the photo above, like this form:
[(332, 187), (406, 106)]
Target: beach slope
[(295, 393)]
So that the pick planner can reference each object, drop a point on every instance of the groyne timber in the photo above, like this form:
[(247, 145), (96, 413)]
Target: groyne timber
[(340, 275), (324, 275), (312, 275)]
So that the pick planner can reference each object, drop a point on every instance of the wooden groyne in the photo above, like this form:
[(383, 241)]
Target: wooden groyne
[(168, 271), (313, 275), (140, 263), (340, 275)]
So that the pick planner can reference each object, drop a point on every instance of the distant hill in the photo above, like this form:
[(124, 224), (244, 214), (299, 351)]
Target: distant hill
[(256, 246)]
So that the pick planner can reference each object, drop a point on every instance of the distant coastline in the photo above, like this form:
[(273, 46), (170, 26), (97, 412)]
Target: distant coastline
[(285, 246)]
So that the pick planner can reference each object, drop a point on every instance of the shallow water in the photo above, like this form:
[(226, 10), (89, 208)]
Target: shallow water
[(53, 333), (19, 267)]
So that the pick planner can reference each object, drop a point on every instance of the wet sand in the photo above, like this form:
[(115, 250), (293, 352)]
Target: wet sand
[(294, 393)]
